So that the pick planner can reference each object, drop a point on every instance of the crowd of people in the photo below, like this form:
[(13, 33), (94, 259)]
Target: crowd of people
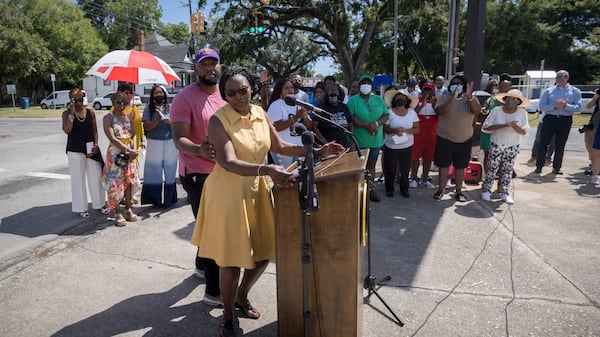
[(228, 151)]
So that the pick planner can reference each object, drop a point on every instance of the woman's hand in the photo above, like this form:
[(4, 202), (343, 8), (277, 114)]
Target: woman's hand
[(132, 154), (329, 149), (400, 131), (280, 176)]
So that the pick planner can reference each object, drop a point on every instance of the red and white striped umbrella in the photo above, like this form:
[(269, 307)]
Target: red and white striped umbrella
[(133, 66)]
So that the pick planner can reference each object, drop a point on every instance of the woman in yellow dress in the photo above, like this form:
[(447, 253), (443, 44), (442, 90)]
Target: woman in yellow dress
[(235, 223)]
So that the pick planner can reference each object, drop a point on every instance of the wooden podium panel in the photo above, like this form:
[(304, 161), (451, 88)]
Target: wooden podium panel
[(335, 277)]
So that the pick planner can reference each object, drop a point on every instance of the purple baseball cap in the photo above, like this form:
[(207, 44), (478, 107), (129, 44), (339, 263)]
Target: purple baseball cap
[(204, 53)]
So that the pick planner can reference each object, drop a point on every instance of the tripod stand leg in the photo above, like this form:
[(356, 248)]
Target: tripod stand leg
[(374, 291)]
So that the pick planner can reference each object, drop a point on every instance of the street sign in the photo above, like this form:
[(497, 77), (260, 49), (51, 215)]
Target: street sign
[(11, 89), (52, 77)]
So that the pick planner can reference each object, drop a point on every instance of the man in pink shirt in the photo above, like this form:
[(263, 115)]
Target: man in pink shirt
[(191, 109)]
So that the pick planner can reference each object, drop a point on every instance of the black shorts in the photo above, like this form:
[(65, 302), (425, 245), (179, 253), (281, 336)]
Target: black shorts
[(447, 152)]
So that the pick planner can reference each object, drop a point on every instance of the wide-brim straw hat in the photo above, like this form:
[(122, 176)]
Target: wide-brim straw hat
[(389, 95), (514, 93)]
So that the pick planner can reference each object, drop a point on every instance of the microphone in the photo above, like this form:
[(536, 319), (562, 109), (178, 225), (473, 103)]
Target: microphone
[(291, 100), (309, 197)]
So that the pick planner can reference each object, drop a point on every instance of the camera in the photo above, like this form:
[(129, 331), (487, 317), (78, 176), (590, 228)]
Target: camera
[(122, 159), (586, 127)]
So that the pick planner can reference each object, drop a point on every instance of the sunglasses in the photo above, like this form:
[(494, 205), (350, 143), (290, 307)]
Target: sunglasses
[(241, 90), (561, 76), (127, 92), (119, 102), (78, 99)]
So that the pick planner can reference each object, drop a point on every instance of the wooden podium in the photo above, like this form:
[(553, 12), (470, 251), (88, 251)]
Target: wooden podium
[(335, 277)]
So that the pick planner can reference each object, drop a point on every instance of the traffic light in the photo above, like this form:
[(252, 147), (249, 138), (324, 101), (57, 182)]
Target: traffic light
[(198, 23), (256, 23)]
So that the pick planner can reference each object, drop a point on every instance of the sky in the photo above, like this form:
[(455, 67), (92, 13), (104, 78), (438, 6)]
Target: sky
[(176, 11)]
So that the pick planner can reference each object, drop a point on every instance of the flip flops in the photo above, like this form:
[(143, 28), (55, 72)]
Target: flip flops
[(84, 215), (104, 210)]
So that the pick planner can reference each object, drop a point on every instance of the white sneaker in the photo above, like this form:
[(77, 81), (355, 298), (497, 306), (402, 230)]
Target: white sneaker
[(486, 196), (428, 185), (412, 184), (594, 180), (508, 199), (213, 300)]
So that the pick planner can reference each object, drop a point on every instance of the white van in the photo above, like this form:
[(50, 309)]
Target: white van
[(60, 99)]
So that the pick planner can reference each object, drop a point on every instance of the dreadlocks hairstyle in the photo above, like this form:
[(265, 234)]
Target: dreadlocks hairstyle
[(235, 70)]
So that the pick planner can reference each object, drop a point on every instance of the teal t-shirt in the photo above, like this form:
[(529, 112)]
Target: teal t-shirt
[(368, 113)]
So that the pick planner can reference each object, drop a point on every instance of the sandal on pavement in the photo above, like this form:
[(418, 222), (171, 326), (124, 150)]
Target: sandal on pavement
[(438, 195), (130, 216), (84, 214), (120, 221), (460, 197), (227, 329), (247, 310), (104, 210)]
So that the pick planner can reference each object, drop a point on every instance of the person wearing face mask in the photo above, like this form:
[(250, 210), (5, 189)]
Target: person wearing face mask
[(340, 114), (369, 113), (506, 124), (402, 125), (161, 153), (456, 111)]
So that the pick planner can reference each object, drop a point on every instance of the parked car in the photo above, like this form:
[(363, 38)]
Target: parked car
[(586, 96), (60, 99), (104, 102)]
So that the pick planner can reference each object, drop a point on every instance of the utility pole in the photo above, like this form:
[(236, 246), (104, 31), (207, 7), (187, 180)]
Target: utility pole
[(395, 77), (452, 46), (192, 39), (474, 43)]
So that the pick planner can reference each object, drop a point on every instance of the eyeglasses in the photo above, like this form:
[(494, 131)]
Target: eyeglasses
[(119, 102), (561, 76), (241, 90)]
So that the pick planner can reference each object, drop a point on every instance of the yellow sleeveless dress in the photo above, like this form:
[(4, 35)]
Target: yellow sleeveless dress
[(235, 224)]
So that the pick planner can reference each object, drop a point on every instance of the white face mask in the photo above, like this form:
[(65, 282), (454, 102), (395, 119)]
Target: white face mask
[(495, 91), (365, 89)]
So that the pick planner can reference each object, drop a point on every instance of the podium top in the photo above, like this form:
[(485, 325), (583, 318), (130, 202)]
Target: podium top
[(346, 164)]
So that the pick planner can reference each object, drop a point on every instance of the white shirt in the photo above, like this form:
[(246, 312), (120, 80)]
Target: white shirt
[(505, 137), (279, 111), (394, 141)]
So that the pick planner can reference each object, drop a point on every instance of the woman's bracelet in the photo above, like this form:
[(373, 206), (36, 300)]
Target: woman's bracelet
[(258, 170)]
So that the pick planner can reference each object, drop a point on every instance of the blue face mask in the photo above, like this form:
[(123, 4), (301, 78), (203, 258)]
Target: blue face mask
[(399, 102), (454, 87)]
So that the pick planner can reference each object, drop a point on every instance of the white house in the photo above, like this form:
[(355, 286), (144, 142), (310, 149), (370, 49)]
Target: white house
[(533, 82)]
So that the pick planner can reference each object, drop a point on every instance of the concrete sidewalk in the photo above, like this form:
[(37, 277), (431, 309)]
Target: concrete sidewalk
[(457, 269)]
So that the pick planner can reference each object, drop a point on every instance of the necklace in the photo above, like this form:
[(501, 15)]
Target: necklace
[(81, 120)]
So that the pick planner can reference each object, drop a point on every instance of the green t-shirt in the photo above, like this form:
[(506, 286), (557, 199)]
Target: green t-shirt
[(368, 113)]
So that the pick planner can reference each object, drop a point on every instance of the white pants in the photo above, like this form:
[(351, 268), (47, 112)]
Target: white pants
[(79, 168)]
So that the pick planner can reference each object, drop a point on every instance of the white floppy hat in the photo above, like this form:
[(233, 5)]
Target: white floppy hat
[(390, 94), (514, 93)]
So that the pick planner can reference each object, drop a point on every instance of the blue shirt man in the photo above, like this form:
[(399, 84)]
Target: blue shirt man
[(558, 102)]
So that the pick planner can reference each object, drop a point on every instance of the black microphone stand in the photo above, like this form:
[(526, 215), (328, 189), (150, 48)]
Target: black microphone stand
[(309, 201), (371, 281), (346, 131)]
